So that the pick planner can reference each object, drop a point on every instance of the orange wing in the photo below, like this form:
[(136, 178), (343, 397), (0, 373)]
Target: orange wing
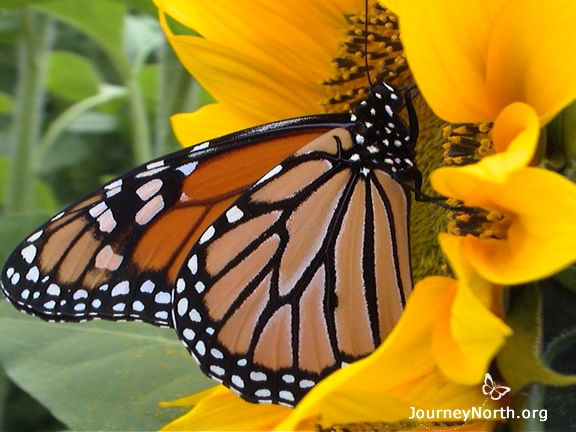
[(116, 253), (307, 271)]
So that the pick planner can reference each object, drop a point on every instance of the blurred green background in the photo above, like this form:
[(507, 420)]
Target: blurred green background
[(86, 92)]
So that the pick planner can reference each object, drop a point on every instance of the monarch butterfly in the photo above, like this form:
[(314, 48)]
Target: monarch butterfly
[(278, 254)]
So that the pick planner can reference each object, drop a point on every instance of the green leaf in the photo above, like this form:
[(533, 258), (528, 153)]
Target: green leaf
[(67, 151), (10, 4), (569, 130), (94, 122), (148, 82), (146, 6), (142, 36), (6, 103), (24, 413), (43, 198), (101, 20), (71, 76), (567, 278), (98, 375), (142, 5), (16, 227), (520, 360)]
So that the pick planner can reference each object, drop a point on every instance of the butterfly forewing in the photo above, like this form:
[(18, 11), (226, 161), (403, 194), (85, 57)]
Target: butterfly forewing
[(116, 253), (307, 271)]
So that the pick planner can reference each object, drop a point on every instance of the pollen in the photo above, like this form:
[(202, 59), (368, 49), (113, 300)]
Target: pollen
[(467, 143), (366, 50), (484, 224)]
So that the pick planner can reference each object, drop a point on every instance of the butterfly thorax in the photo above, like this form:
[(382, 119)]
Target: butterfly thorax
[(382, 138)]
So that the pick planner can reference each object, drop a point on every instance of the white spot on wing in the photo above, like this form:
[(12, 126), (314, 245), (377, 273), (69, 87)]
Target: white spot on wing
[(163, 298), (237, 381), (150, 209), (199, 147), (200, 287), (155, 164), (189, 334), (217, 370), (114, 185), (107, 259), (119, 307), (163, 315), (53, 290), (288, 378), (234, 214), (262, 393), (180, 285), (106, 221), (258, 376), (208, 234), (80, 294), (98, 209), (33, 274), (34, 236), (270, 174), (113, 192), (147, 287), (150, 172), (138, 306), (192, 264), (149, 189), (195, 316), (306, 384), (182, 306), (122, 288), (286, 395), (188, 168), (58, 216), (200, 348), (216, 353)]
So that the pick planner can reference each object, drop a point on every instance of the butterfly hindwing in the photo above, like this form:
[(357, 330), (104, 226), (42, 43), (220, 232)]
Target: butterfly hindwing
[(115, 254), (307, 271)]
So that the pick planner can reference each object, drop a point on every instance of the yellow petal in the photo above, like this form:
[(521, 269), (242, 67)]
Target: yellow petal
[(516, 129), (244, 84), (541, 239), (467, 335), (446, 44), (400, 374), (262, 63), (530, 56), (471, 60), (209, 121), (221, 410)]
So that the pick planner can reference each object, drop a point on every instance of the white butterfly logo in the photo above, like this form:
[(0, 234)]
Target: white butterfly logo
[(494, 390)]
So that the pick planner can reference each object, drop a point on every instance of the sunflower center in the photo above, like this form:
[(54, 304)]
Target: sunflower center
[(367, 50), (467, 144), (482, 223)]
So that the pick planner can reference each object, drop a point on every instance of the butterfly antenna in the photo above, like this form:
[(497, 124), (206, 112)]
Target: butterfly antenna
[(366, 44)]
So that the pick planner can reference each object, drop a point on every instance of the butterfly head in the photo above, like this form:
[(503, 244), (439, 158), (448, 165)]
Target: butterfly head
[(382, 131)]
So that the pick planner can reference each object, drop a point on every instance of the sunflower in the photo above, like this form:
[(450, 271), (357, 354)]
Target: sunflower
[(477, 68)]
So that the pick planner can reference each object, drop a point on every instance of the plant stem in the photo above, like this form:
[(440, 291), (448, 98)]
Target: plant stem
[(140, 128), (37, 32)]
